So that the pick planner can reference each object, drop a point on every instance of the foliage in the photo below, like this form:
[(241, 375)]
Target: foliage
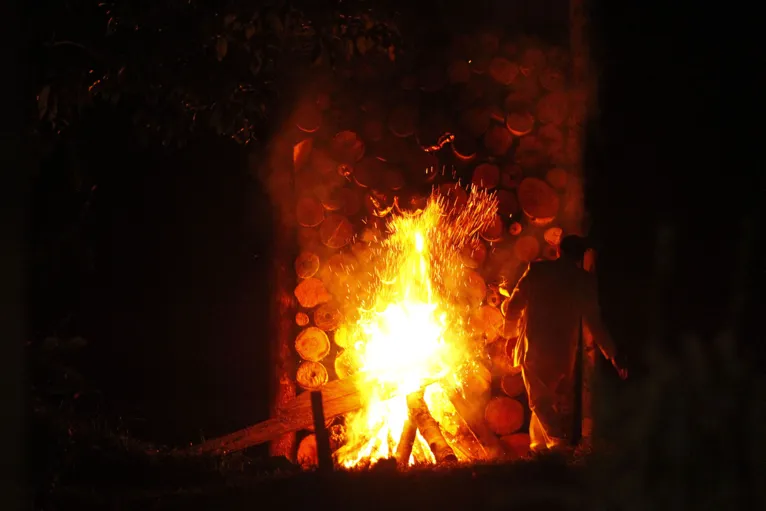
[(186, 65)]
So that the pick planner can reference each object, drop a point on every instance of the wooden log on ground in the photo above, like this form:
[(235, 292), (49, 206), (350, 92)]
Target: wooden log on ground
[(406, 441), (338, 397), (474, 419), (429, 428)]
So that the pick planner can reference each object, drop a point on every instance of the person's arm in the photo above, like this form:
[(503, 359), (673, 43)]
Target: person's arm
[(594, 323), (514, 306)]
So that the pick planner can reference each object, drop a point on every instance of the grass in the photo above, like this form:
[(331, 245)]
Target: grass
[(687, 437)]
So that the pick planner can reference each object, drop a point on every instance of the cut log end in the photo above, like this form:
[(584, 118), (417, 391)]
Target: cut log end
[(504, 415), (312, 344)]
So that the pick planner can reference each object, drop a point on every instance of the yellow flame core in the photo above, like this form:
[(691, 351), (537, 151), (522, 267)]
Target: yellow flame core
[(412, 331)]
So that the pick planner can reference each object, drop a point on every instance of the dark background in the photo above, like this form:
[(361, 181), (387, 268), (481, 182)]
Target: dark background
[(174, 303)]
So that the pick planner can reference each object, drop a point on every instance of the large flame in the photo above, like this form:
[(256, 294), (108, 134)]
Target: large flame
[(412, 330)]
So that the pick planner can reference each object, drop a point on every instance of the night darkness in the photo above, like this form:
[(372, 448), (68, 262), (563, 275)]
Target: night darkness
[(172, 289)]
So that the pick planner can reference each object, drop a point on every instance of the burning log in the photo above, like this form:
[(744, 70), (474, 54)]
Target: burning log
[(336, 231), (311, 292), (306, 265), (406, 441), (309, 212), (517, 445), (513, 384), (429, 428), (538, 200)]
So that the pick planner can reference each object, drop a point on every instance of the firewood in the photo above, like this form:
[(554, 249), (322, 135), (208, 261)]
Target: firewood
[(503, 71), (532, 61), (406, 441), (347, 147), (392, 179), (342, 336), (403, 120), (464, 146), (301, 319), (459, 71), (306, 264), (493, 296), (372, 129), (538, 200), (475, 287), (531, 153), (311, 375), (473, 254), (552, 139), (476, 121), (312, 344), (520, 123), (486, 175), (489, 321), (516, 445), (557, 178), (528, 87), (497, 140), (518, 102), (493, 232), (473, 417), (336, 231), (496, 113), (338, 397), (511, 175), (429, 428), (391, 149), (379, 204), (302, 154), (553, 108), (507, 204), (552, 236), (550, 252), (308, 117), (311, 292), (330, 199), (367, 173), (323, 163), (432, 78), (478, 382), (515, 229), (526, 248), (512, 384), (504, 415), (309, 211), (347, 363), (434, 131), (502, 364), (454, 194), (327, 317), (308, 239), (307, 452), (552, 79)]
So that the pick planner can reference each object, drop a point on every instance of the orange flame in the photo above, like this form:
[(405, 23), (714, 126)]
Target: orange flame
[(412, 329)]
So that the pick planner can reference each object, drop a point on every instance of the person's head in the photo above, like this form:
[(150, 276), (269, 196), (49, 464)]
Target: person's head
[(573, 248)]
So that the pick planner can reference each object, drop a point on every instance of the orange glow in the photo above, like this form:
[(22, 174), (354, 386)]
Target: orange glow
[(413, 328)]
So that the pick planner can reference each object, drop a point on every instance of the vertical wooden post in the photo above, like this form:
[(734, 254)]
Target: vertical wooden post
[(320, 430), (582, 80)]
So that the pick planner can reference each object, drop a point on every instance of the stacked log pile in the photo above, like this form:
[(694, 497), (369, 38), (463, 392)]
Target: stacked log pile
[(376, 137)]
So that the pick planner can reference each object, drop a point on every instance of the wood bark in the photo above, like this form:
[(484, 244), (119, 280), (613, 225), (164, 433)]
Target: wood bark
[(474, 419), (429, 428), (406, 441)]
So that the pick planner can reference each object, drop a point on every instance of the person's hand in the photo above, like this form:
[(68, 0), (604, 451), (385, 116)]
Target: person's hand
[(619, 366)]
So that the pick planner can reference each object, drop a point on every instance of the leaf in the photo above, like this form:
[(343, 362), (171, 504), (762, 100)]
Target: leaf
[(221, 47), (42, 101)]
